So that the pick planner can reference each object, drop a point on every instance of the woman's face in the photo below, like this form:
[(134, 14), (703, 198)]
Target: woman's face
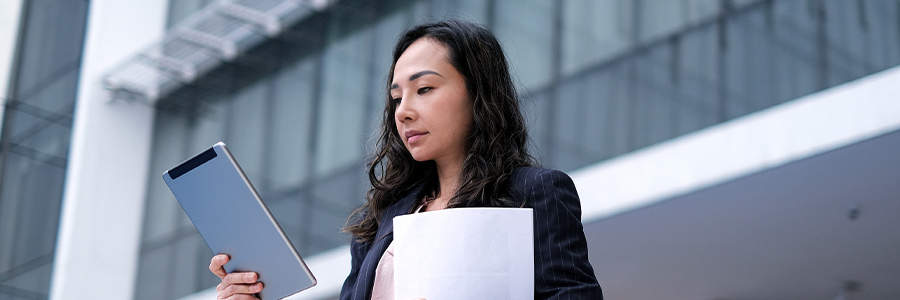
[(433, 111)]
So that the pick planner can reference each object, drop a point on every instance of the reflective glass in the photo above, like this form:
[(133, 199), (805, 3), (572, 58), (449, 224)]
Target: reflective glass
[(160, 207), (29, 211), (293, 116), (651, 97), (594, 31), (342, 114), (697, 84), (660, 18), (247, 128), (34, 145), (53, 44), (525, 28), (471, 10)]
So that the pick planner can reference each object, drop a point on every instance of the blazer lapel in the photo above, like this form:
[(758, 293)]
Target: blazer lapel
[(383, 239)]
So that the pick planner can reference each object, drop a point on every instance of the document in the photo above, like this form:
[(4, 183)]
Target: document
[(464, 253)]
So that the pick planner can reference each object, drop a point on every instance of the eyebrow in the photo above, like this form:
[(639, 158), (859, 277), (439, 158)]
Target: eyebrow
[(417, 76)]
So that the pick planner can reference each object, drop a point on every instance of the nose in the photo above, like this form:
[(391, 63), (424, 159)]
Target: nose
[(404, 111)]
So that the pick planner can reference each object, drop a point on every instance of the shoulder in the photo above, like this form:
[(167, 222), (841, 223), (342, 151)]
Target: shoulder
[(527, 177), (542, 187)]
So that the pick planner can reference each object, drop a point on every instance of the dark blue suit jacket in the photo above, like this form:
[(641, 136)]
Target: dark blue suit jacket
[(561, 266)]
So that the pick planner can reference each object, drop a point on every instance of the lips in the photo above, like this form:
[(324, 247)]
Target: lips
[(412, 136)]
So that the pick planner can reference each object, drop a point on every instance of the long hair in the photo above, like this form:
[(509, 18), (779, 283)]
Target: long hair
[(496, 144)]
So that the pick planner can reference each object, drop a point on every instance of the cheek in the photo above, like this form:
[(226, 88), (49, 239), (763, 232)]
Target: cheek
[(463, 125), (466, 111), (399, 131)]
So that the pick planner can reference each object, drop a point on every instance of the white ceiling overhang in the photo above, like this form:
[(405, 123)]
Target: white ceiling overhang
[(215, 35)]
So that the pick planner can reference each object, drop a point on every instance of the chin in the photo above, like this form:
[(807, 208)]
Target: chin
[(419, 157)]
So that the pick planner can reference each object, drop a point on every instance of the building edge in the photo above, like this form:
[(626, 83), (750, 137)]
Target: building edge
[(10, 16), (102, 208)]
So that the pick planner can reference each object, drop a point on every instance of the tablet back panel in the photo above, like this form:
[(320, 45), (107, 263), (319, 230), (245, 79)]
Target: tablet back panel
[(229, 214)]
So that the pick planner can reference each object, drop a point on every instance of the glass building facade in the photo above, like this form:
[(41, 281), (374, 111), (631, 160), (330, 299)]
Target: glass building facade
[(34, 143), (598, 79)]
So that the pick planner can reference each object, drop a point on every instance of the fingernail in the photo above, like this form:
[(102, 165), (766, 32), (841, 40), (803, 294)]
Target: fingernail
[(249, 277)]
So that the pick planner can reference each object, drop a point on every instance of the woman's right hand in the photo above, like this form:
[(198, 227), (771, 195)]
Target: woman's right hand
[(236, 285)]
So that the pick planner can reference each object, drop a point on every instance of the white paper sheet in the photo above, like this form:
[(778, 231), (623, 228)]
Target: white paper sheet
[(464, 253)]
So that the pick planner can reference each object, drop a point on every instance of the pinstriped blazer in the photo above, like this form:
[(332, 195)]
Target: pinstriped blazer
[(561, 266)]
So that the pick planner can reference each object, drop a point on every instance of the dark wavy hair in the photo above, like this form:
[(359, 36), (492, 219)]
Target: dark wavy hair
[(496, 144)]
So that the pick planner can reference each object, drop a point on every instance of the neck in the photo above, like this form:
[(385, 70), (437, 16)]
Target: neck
[(448, 179)]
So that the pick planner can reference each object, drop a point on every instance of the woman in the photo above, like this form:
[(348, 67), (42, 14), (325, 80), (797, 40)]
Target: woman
[(453, 136)]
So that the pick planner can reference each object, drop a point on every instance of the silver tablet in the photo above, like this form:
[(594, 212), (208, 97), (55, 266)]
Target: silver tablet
[(229, 214)]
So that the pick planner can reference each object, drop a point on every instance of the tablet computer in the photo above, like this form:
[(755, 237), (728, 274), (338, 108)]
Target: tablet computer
[(232, 218)]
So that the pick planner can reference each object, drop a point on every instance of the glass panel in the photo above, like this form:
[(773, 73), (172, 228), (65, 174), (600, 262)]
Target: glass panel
[(795, 69), (342, 128), (385, 34), (161, 208), (697, 82), (568, 125), (697, 11), (52, 45), (652, 97), (54, 99), (34, 282), (154, 277), (247, 130), (291, 215), (594, 31), (29, 217), (615, 91), (525, 29), (47, 138), (742, 3), (534, 109), (846, 41), (470, 10), (192, 252), (293, 116), (883, 17), (207, 125), (659, 18), (36, 126), (328, 224)]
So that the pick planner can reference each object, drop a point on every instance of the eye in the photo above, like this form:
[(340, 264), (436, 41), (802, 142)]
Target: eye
[(396, 101), (424, 90)]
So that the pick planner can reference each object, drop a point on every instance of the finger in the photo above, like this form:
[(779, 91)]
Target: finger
[(238, 297), (242, 297), (240, 278), (240, 289), (216, 263)]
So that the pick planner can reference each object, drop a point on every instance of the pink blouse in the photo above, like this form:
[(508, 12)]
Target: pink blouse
[(383, 288), (384, 276)]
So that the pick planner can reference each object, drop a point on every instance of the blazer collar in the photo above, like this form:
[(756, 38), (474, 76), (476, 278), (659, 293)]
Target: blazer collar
[(402, 207)]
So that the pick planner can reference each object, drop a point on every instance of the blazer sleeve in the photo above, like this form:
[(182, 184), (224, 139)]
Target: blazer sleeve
[(562, 269), (357, 253)]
